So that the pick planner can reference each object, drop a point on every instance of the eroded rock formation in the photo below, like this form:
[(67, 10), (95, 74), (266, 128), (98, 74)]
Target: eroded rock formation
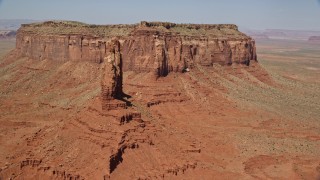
[(111, 82), (160, 48), (146, 47)]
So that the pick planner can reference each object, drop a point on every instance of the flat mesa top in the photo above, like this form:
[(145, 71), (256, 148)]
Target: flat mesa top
[(73, 27)]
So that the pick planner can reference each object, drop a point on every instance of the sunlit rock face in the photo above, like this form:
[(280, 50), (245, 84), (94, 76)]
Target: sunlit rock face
[(144, 47)]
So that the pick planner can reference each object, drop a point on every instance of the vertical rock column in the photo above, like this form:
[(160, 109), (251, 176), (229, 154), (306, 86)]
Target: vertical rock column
[(111, 83), (161, 57)]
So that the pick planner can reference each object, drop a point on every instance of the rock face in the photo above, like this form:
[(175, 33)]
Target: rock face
[(146, 47)]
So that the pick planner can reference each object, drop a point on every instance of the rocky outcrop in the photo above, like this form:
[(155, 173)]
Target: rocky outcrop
[(146, 47), (111, 82)]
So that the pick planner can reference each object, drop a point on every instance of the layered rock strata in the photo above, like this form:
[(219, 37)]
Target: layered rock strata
[(111, 82), (145, 47)]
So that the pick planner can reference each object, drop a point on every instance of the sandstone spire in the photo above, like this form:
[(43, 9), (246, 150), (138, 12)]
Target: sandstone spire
[(111, 82)]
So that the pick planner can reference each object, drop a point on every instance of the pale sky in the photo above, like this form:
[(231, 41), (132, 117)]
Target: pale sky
[(253, 14)]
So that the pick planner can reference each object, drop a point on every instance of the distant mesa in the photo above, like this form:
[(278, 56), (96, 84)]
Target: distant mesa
[(275, 33), (257, 35), (9, 27), (286, 34), (13, 24), (7, 35), (314, 39)]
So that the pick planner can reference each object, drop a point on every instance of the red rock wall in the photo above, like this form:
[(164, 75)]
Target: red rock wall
[(142, 50), (146, 51), (61, 47)]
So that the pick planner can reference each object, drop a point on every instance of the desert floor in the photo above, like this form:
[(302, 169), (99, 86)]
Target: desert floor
[(237, 122)]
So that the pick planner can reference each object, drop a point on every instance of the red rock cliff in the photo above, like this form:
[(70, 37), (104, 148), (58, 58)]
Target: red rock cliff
[(156, 46)]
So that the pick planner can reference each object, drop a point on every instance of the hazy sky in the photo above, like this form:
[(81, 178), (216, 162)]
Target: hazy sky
[(255, 14)]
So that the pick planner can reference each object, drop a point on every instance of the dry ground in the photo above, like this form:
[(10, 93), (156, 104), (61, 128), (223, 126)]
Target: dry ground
[(211, 123)]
